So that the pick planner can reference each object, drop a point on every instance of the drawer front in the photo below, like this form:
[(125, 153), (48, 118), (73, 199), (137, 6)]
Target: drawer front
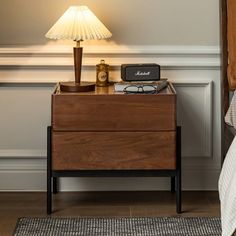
[(114, 113), (113, 150)]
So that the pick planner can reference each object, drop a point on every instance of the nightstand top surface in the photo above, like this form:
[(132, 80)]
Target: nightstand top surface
[(109, 90)]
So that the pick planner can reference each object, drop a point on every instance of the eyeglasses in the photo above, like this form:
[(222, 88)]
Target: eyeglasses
[(146, 89)]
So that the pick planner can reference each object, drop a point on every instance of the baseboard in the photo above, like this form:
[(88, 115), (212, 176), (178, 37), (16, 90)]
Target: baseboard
[(35, 180)]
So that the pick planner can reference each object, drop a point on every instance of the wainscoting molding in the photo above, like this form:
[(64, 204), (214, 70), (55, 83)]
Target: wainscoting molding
[(36, 59), (202, 92), (22, 153), (20, 174), (194, 70)]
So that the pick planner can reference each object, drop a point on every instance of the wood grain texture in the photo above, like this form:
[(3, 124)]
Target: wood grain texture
[(231, 39), (224, 78), (107, 111), (224, 58), (113, 150), (227, 13)]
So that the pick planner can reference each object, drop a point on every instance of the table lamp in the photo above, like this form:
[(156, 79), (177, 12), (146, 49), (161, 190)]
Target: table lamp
[(78, 24)]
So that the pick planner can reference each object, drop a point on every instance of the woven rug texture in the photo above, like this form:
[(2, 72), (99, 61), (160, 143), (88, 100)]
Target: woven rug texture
[(156, 226)]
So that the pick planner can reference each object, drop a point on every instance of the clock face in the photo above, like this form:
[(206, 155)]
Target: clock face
[(102, 76)]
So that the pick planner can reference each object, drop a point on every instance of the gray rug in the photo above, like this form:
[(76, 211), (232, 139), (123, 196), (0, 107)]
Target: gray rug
[(158, 226)]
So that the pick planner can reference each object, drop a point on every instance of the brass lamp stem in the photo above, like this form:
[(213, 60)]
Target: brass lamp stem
[(78, 44)]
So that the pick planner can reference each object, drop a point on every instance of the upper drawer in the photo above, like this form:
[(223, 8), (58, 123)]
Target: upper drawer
[(116, 112)]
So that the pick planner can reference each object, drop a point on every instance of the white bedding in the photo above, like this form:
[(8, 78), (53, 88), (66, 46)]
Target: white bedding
[(230, 117), (227, 192)]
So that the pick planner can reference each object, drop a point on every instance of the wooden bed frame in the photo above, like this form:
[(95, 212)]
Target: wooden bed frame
[(228, 80)]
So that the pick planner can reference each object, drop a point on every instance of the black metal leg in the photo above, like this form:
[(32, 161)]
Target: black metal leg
[(49, 173), (173, 184), (49, 195), (55, 184), (178, 193), (178, 175)]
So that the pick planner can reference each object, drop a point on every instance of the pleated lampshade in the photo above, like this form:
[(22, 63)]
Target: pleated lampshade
[(78, 23)]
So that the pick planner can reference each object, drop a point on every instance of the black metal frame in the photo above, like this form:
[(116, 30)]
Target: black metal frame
[(52, 176)]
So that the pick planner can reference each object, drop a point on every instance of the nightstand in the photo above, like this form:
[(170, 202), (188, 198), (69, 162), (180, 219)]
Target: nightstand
[(109, 134)]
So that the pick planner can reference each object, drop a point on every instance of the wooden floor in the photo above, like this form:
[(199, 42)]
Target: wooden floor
[(103, 204)]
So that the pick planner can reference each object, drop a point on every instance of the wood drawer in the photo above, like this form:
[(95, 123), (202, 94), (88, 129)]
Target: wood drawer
[(77, 112), (113, 150)]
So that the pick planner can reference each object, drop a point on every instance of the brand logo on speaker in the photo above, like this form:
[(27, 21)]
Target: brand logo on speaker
[(139, 73)]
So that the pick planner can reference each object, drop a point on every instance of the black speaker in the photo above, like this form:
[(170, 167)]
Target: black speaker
[(140, 72)]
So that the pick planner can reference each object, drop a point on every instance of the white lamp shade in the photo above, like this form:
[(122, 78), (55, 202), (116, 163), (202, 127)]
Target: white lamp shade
[(78, 23)]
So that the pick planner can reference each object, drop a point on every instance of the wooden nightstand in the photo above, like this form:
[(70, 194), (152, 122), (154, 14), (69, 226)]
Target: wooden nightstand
[(104, 133)]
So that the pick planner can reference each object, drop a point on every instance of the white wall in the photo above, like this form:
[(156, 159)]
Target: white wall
[(182, 38), (132, 22)]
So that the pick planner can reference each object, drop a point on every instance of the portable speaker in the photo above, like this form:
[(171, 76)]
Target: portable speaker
[(140, 72)]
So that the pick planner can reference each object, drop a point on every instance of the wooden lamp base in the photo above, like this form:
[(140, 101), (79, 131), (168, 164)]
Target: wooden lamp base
[(74, 87), (77, 85)]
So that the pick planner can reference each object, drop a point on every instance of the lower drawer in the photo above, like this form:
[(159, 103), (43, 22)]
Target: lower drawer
[(113, 150)]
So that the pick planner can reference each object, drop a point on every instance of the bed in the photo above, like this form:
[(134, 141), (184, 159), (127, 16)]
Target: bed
[(227, 180)]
